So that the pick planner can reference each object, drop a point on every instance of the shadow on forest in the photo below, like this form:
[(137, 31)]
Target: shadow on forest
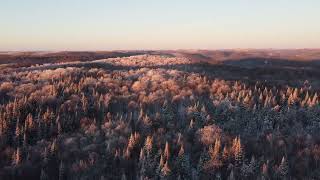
[(275, 72)]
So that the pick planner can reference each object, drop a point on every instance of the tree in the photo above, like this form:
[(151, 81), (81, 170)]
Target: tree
[(218, 176), (18, 133), (245, 171), (123, 177), (131, 142), (142, 171), (44, 175), (59, 125), (25, 139), (183, 164), (62, 171), (238, 151), (283, 168), (215, 158), (264, 173), (225, 154), (54, 147), (231, 175), (17, 157), (150, 160), (202, 164), (148, 145), (46, 155), (167, 111), (160, 166), (167, 152), (165, 172)]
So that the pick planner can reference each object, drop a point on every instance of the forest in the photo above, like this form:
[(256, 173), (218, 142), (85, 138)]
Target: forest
[(159, 117)]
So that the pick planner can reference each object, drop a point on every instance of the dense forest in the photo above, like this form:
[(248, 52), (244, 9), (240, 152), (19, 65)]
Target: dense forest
[(158, 117)]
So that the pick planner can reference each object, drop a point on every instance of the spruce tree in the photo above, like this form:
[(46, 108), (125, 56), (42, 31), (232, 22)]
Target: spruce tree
[(203, 163), (165, 172), (62, 171), (43, 175), (283, 168), (183, 164)]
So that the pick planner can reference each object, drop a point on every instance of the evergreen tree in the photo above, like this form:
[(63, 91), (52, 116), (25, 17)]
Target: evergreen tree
[(215, 158), (264, 173), (283, 169), (218, 176), (44, 175), (148, 145), (62, 171), (238, 152), (253, 166), (18, 133), (167, 111), (225, 154), (167, 152), (202, 164), (231, 175), (165, 172), (123, 177), (183, 164), (17, 157)]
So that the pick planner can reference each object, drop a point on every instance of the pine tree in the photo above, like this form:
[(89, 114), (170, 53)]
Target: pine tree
[(183, 164), (218, 176), (59, 126), (225, 154), (54, 147), (253, 166), (191, 124), (179, 177), (167, 111), (165, 172), (160, 166), (18, 133), (27, 121), (127, 153), (162, 161), (39, 130), (215, 158), (216, 150), (314, 100), (148, 145), (167, 151), (25, 138), (17, 157), (62, 171), (238, 151), (231, 175), (142, 171), (202, 164), (283, 169), (150, 160), (131, 142), (141, 155), (245, 171), (46, 156), (264, 173), (53, 129), (123, 177), (43, 175)]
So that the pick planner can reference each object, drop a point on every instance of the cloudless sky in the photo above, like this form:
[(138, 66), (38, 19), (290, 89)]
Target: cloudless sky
[(158, 24)]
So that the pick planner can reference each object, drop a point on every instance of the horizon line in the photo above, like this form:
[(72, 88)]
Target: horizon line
[(179, 49)]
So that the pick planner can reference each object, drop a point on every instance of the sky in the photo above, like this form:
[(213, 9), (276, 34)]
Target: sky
[(158, 24)]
